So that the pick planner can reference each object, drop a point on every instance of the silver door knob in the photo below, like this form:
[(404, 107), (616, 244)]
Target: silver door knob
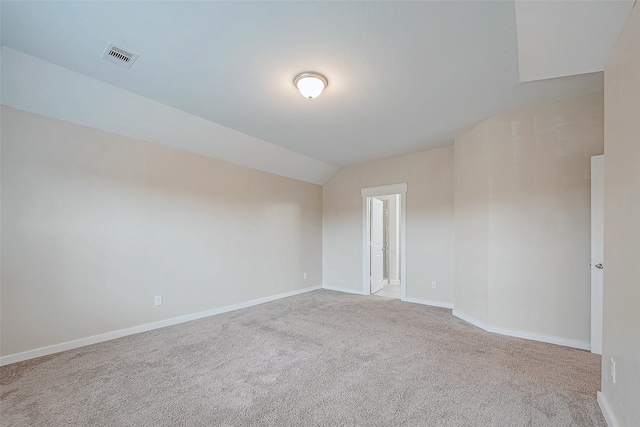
[(599, 266)]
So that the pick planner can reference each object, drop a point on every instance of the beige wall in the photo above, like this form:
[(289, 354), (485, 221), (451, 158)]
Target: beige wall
[(522, 218), (429, 178), (471, 213), (94, 225), (621, 326)]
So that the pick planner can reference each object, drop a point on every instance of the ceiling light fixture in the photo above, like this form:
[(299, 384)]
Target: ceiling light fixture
[(310, 84)]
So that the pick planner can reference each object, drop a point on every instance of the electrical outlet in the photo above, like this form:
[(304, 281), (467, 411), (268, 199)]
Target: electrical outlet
[(158, 300), (304, 276), (613, 371), (434, 285)]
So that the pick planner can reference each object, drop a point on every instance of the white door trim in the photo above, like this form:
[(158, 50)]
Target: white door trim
[(384, 190)]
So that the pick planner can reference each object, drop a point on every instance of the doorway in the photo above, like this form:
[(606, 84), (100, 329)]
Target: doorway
[(385, 251), (384, 246)]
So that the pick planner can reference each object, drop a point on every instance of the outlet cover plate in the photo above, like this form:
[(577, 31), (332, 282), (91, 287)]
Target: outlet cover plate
[(613, 371)]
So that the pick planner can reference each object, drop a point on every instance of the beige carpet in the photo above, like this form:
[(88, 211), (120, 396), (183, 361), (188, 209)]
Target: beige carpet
[(318, 359)]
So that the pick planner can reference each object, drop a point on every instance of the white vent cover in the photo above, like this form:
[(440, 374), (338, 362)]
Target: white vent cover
[(119, 55)]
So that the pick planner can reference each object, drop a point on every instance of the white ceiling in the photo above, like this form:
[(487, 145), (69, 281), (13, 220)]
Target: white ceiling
[(38, 86), (403, 76), (564, 38)]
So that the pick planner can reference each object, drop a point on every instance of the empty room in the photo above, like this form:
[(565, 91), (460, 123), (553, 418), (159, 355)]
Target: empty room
[(319, 213)]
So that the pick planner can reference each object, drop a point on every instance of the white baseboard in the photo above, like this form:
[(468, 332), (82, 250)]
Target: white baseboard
[(606, 411), (56, 348), (427, 302), (347, 290), (567, 342), (470, 319), (394, 282)]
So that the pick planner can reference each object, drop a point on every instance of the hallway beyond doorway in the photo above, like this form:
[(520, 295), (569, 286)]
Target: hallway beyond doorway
[(389, 291)]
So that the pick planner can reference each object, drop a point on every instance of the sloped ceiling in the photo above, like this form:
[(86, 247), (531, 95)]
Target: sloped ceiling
[(564, 38), (403, 76), (34, 85)]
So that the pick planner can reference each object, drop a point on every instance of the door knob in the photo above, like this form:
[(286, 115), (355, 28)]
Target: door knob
[(599, 266)]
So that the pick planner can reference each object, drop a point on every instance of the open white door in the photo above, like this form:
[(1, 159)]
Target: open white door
[(377, 243), (597, 251)]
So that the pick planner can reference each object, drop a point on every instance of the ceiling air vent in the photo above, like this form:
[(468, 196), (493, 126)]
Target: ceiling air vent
[(119, 55)]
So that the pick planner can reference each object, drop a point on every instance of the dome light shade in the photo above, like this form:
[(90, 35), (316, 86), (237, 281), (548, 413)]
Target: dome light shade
[(310, 84)]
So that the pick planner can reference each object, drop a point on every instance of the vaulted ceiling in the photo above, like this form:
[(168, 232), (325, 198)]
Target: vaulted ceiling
[(403, 76)]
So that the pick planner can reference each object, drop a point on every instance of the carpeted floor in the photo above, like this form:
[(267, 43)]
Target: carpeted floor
[(318, 359)]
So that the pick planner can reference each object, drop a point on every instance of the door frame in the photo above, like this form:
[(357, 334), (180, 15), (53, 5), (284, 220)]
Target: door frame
[(384, 190)]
